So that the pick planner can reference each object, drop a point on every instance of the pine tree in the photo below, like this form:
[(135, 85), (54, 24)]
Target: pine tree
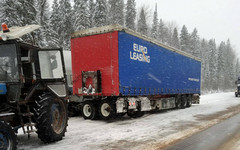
[(213, 63), (184, 39), (195, 43), (100, 14), (142, 23), (116, 12), (205, 66), (169, 33), (81, 15), (29, 17), (43, 20), (230, 57), (162, 32), (91, 6), (154, 32), (130, 14), (221, 65), (55, 23), (66, 26), (175, 39), (9, 13)]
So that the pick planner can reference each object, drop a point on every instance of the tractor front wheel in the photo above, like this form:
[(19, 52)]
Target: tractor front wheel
[(8, 138)]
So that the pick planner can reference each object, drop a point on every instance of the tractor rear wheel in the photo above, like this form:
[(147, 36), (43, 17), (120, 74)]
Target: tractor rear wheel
[(51, 118), (8, 138)]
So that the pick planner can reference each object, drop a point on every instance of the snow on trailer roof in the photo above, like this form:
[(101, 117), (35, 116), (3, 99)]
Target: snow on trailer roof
[(115, 27)]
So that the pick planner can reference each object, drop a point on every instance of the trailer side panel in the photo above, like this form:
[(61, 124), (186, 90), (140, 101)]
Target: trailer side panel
[(148, 69)]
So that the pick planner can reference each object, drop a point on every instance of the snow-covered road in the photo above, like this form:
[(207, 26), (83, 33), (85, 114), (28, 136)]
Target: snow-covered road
[(152, 131)]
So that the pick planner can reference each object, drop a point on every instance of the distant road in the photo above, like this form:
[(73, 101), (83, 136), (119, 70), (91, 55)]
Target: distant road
[(222, 136)]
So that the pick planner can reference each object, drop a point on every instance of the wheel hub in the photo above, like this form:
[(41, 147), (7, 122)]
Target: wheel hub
[(87, 110), (105, 109), (58, 117)]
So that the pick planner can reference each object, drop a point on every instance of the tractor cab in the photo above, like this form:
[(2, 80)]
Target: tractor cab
[(23, 65)]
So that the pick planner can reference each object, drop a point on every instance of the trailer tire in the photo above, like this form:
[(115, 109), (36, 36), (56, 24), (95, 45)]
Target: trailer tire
[(183, 101), (8, 138), (107, 110), (189, 101), (178, 101), (51, 117), (89, 110)]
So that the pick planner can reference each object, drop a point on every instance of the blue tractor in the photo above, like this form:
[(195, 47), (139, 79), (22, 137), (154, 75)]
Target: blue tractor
[(33, 89)]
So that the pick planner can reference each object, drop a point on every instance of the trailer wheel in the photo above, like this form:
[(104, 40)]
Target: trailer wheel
[(51, 117), (8, 138), (189, 101), (183, 101), (178, 101), (107, 110), (89, 110)]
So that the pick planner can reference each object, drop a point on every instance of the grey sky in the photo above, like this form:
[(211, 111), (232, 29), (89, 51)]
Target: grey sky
[(219, 19)]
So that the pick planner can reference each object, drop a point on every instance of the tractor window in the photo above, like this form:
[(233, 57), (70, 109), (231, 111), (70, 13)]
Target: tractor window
[(8, 63), (50, 64)]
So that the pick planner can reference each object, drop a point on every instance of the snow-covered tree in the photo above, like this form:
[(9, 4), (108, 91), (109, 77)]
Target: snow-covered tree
[(169, 32), (206, 86), (142, 22), (43, 20), (213, 63), (184, 39), (66, 26), (55, 23), (81, 16), (230, 62), (130, 14), (100, 13), (221, 65), (162, 32), (116, 12), (195, 43), (154, 32), (9, 13), (91, 6), (28, 17), (175, 39)]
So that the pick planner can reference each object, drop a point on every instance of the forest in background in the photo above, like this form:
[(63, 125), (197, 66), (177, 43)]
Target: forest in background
[(220, 66)]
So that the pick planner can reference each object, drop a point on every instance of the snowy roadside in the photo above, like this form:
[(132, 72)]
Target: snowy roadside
[(152, 131)]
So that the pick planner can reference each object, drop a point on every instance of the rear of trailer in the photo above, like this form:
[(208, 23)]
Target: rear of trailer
[(117, 70)]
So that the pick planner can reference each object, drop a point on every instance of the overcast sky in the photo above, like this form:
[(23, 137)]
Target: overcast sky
[(219, 19)]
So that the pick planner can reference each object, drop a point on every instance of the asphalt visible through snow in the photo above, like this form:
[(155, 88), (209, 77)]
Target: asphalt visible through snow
[(225, 135)]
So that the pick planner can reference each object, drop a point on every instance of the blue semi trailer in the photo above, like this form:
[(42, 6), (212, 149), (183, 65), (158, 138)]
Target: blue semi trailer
[(117, 71)]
